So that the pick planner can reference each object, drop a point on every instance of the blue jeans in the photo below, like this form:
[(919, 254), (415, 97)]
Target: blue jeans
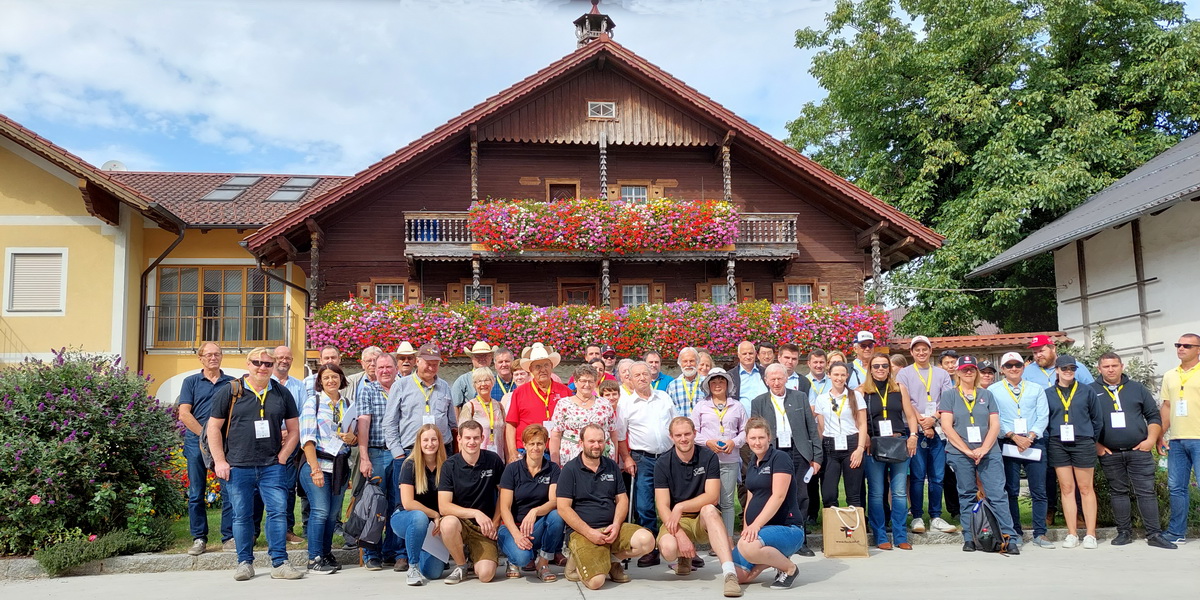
[(547, 539), (787, 539), (990, 472), (381, 466), (413, 525), (320, 514), (643, 492), (1035, 472), (1183, 466), (197, 487), (271, 483), (897, 476), (928, 463)]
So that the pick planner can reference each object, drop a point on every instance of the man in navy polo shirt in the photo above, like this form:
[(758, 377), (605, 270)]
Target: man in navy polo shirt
[(468, 498), (195, 405)]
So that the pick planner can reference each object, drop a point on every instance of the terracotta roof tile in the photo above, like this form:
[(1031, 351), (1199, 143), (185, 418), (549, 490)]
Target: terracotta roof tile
[(974, 342), (181, 193)]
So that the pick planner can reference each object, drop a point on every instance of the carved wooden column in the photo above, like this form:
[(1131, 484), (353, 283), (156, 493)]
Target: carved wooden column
[(876, 267), (314, 271), (726, 175), (605, 296), (603, 165), (730, 281), (474, 164), (474, 280)]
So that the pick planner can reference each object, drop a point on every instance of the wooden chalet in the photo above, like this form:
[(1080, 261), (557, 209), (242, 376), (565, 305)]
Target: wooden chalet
[(601, 122)]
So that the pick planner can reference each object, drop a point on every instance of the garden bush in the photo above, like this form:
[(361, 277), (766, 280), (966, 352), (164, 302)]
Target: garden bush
[(63, 556), (84, 450)]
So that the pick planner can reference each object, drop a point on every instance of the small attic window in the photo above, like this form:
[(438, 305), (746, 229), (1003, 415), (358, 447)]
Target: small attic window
[(602, 110), (293, 189), (232, 188)]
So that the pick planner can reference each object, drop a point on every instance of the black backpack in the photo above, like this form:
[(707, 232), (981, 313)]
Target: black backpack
[(368, 511), (235, 392), (985, 528)]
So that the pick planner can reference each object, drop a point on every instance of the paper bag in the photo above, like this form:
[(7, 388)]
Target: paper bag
[(845, 532)]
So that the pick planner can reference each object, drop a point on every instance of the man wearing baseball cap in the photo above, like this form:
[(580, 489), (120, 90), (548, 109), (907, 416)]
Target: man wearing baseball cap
[(1024, 415), (864, 349), (925, 384)]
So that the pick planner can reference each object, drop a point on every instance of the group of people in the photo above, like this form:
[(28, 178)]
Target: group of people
[(625, 462)]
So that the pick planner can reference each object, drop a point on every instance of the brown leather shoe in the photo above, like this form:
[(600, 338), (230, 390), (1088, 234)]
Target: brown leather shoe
[(617, 573), (885, 546), (571, 572), (905, 546), (294, 539)]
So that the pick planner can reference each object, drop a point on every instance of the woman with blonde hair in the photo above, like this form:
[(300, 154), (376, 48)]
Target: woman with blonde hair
[(419, 477), (484, 410)]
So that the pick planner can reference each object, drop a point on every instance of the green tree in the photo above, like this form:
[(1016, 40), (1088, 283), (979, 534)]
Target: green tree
[(987, 119)]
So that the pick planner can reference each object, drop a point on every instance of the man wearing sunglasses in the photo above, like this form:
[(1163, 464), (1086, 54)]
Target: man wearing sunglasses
[(251, 455), (864, 349), (1024, 415), (1180, 413)]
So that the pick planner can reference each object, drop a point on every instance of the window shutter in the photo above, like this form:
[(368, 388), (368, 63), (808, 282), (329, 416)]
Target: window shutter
[(500, 293), (454, 292), (658, 293), (823, 294), (703, 292), (36, 283), (614, 193), (614, 296), (746, 291), (366, 290), (654, 191), (779, 293), (414, 293)]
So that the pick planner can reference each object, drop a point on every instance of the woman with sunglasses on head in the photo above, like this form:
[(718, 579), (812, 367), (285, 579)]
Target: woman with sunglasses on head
[(971, 422), (890, 414), (842, 424), (1075, 420)]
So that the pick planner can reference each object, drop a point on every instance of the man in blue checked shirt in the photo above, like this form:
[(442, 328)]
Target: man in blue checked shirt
[(685, 390)]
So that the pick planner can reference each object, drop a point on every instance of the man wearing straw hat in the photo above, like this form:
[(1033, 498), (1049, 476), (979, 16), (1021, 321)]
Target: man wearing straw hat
[(481, 358), (406, 359), (534, 401)]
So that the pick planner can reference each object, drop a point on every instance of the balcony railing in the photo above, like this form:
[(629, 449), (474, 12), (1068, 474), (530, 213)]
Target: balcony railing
[(233, 328), (430, 234)]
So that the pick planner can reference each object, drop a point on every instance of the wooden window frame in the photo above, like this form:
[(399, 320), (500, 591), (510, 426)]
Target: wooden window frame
[(615, 110), (656, 292), (565, 282), (551, 181), (200, 322), (745, 289), (820, 290), (457, 292), (412, 291)]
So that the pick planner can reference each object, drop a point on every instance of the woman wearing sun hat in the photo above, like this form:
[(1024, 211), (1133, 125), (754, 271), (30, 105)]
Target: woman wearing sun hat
[(720, 427)]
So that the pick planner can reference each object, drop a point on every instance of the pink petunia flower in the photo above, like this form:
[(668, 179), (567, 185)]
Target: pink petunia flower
[(35, 499)]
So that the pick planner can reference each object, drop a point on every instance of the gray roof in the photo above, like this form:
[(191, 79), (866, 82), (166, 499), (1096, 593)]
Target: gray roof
[(1165, 180)]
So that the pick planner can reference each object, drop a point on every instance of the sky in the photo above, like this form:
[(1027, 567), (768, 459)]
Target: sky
[(328, 87)]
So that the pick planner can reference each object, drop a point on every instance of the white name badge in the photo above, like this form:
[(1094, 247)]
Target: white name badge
[(930, 407), (1021, 426), (548, 425), (839, 442), (885, 428), (973, 435), (1118, 420), (1066, 433), (786, 442), (428, 420), (262, 429), (1181, 408)]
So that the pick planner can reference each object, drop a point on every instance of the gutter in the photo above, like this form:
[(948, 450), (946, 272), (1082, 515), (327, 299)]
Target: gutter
[(258, 261), (158, 208)]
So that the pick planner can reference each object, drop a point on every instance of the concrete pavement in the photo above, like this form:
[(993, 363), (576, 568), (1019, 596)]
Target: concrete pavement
[(1108, 572)]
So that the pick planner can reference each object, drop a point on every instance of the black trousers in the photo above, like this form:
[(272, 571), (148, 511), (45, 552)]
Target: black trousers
[(835, 467), (798, 484), (950, 490), (1128, 470)]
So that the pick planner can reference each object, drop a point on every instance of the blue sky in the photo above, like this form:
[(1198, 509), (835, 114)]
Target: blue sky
[(329, 87)]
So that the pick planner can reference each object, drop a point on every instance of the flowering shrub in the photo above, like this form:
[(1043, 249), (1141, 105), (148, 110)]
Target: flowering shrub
[(357, 323), (80, 438), (594, 225)]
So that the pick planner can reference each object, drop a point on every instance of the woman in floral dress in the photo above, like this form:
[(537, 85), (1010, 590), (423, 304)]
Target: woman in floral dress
[(572, 414)]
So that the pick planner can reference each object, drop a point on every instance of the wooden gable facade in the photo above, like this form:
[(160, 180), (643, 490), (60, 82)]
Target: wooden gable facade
[(397, 230)]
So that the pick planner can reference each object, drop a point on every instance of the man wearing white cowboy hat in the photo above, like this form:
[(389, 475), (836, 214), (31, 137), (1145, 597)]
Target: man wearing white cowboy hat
[(534, 401), (406, 359), (481, 358)]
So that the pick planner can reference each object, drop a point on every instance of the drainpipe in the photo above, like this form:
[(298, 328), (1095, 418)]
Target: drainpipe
[(156, 207), (307, 296)]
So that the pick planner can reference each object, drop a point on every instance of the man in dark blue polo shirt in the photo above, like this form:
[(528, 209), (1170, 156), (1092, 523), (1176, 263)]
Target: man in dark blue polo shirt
[(195, 405), (468, 496), (687, 487)]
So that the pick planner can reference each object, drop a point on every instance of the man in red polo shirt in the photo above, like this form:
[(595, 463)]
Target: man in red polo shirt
[(533, 402)]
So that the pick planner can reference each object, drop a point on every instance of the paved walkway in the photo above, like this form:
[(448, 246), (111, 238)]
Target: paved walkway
[(1122, 572)]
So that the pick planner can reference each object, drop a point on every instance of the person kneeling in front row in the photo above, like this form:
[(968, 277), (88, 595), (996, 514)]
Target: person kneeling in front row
[(593, 502), (773, 529)]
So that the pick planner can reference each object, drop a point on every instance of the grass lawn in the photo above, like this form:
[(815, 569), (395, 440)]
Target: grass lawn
[(183, 537)]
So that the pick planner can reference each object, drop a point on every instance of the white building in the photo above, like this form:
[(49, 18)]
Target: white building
[(1126, 259)]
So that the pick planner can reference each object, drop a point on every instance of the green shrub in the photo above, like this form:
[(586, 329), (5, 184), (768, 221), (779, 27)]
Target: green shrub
[(83, 448), (63, 556)]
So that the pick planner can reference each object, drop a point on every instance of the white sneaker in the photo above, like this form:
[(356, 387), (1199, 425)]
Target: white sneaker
[(456, 576), (1089, 542), (415, 577), (941, 525), (918, 525), (1071, 541), (198, 547)]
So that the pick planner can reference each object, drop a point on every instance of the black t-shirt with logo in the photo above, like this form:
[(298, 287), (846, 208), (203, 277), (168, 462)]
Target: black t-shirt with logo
[(474, 486), (686, 480), (759, 481), (243, 448), (529, 491), (593, 493), (408, 475)]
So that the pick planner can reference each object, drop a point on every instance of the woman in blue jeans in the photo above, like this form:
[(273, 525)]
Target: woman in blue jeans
[(889, 414), (772, 526), (419, 504), (325, 445), (527, 500)]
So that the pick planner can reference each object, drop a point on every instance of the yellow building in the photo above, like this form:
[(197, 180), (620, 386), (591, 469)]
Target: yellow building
[(147, 266)]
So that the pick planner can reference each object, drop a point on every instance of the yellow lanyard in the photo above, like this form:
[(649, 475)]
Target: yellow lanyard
[(777, 406), (490, 407), (1183, 380), (928, 384), (691, 394), (884, 398), (504, 390), (970, 403), (1066, 402), (1016, 398), (845, 398), (262, 400), (545, 398), (721, 415), (1115, 396), (421, 386), (1047, 374), (820, 385)]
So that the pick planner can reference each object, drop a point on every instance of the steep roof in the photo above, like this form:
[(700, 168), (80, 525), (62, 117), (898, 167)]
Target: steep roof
[(94, 182), (183, 194), (1164, 181), (899, 225)]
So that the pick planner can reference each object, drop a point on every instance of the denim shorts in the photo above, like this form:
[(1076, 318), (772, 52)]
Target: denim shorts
[(787, 539)]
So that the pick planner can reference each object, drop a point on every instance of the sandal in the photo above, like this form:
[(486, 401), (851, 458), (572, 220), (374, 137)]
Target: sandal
[(513, 571), (545, 574)]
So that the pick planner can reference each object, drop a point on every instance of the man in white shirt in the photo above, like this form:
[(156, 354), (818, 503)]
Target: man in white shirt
[(643, 422)]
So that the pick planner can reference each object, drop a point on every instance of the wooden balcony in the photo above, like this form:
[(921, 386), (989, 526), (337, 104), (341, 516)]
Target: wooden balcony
[(447, 236)]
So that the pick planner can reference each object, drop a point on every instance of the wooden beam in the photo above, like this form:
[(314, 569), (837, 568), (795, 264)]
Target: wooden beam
[(474, 130), (864, 239), (898, 246), (314, 228), (286, 246), (601, 62), (729, 135), (99, 203)]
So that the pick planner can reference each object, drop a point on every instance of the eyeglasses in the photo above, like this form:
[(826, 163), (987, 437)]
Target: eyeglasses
[(886, 366), (1188, 346), (866, 344), (1013, 365), (1068, 368), (218, 355), (262, 363)]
